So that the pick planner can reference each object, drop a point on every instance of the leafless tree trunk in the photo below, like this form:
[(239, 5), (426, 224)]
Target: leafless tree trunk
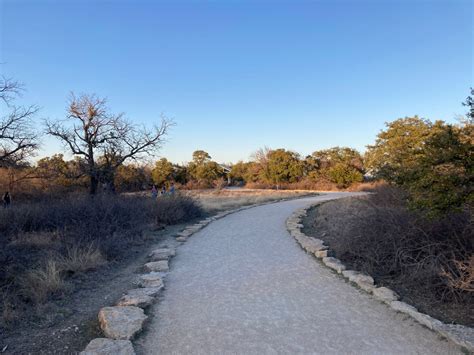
[(104, 140)]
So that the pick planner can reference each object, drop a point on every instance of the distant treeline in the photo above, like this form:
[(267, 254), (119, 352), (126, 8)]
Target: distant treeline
[(432, 161)]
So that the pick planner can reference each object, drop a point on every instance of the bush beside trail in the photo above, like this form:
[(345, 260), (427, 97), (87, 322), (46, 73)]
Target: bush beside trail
[(429, 262), (44, 243)]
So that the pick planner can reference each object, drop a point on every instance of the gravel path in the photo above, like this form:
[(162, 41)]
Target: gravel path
[(243, 286)]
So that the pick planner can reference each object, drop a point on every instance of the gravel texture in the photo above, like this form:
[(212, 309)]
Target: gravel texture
[(243, 285)]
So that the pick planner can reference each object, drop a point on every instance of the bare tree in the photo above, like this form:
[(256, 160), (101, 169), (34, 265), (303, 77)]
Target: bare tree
[(18, 140), (104, 140)]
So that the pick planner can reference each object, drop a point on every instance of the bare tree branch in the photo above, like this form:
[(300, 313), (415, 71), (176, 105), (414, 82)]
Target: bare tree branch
[(18, 141), (103, 139)]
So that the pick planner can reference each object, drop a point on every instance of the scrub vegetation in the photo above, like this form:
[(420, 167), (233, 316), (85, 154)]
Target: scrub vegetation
[(68, 216)]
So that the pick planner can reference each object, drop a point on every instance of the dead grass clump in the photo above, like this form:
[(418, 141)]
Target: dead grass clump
[(80, 259), (172, 209), (37, 285), (461, 276)]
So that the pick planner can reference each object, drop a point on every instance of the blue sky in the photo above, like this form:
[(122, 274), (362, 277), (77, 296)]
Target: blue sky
[(238, 75)]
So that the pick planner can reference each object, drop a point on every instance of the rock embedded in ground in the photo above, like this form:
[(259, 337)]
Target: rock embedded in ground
[(385, 294), (194, 228), (136, 300), (186, 233), (157, 266), (426, 320), (358, 277), (146, 291), (181, 239), (153, 279), (461, 335), (367, 287), (162, 254), (121, 322), (312, 245), (334, 264), (322, 253), (105, 346), (402, 307)]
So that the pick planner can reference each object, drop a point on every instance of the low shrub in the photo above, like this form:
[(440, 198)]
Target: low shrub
[(38, 284), (80, 259), (428, 260), (44, 242), (172, 209)]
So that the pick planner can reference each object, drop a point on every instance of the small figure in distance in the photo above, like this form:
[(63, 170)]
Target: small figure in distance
[(163, 190), (6, 200), (154, 192), (172, 189)]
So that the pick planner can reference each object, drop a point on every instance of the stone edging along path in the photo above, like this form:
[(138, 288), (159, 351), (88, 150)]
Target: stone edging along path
[(460, 335), (121, 323)]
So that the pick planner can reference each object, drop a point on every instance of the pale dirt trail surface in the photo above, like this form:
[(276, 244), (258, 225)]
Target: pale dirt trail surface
[(243, 286)]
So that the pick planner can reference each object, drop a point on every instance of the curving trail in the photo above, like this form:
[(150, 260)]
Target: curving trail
[(243, 286)]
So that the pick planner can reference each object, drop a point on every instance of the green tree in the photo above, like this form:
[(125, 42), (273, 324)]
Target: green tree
[(344, 175), (131, 177), (398, 149), (284, 166), (239, 171), (201, 157), (162, 172), (340, 165), (203, 170), (433, 162), (470, 104), (57, 172), (180, 174), (442, 180)]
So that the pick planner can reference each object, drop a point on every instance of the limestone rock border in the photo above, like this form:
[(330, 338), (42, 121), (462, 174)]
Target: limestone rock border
[(150, 285), (458, 334)]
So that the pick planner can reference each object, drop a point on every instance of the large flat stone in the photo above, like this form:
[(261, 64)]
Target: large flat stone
[(186, 233), (358, 277), (334, 264), (136, 300), (147, 291), (314, 245), (459, 334), (385, 294), (322, 254), (161, 254), (105, 346), (153, 279), (402, 307), (157, 266), (121, 322)]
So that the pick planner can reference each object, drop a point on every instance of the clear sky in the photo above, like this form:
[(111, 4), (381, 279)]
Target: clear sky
[(238, 75)]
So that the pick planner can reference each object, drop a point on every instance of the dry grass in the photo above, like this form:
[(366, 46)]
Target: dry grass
[(427, 261), (218, 200), (81, 259), (9, 313), (45, 242), (37, 285)]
